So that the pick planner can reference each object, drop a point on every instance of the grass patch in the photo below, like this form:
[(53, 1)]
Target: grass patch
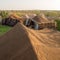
[(4, 29), (58, 24)]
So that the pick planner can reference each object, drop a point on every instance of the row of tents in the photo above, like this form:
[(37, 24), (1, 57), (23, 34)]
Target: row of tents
[(35, 22)]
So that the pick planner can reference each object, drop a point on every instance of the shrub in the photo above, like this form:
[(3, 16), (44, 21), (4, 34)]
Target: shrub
[(4, 14), (58, 24)]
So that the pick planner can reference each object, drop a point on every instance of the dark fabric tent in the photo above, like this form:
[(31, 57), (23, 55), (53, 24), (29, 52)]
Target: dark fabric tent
[(9, 21)]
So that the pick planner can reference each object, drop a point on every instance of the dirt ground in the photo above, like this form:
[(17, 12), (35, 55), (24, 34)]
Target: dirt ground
[(22, 43)]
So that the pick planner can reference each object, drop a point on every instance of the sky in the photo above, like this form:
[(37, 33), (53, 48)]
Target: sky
[(29, 4)]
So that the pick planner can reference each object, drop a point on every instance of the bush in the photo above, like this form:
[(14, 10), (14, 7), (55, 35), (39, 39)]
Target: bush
[(58, 24), (4, 14)]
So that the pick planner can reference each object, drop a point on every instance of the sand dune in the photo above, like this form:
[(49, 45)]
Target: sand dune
[(22, 43)]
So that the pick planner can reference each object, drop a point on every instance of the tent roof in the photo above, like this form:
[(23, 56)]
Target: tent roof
[(41, 19)]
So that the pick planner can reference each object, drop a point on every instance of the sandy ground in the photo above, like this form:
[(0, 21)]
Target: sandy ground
[(47, 45), (21, 43)]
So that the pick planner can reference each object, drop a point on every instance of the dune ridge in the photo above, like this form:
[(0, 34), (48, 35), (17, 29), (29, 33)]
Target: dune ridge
[(22, 43)]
